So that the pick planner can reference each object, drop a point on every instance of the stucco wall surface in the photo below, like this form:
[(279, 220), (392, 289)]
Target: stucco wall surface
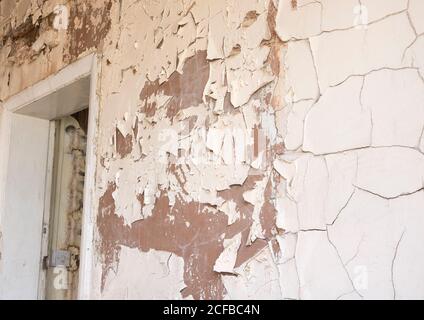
[(255, 149)]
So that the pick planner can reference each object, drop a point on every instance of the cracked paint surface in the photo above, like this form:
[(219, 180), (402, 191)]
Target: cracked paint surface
[(246, 149), (354, 131)]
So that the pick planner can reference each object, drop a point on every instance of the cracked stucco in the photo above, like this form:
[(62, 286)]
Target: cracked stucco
[(246, 149), (353, 181)]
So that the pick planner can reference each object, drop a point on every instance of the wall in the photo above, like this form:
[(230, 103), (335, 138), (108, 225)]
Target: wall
[(20, 269), (246, 149)]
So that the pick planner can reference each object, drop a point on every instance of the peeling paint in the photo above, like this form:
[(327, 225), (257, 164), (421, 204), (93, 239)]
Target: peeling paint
[(244, 145)]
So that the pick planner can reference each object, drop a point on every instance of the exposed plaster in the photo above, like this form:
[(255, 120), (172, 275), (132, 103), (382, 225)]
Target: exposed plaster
[(241, 141)]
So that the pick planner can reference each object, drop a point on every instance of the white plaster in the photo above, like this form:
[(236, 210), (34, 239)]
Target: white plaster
[(379, 9), (311, 190), (256, 279), (287, 243), (416, 8), (377, 241), (338, 14), (338, 121), (414, 55), (298, 23), (289, 280), (342, 171), (396, 101), (340, 54), (247, 65), (227, 259), (257, 199), (321, 274), (300, 71), (390, 172), (293, 139), (230, 209), (146, 275)]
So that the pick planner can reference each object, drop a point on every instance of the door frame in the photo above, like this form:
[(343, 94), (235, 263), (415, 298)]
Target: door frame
[(41, 100)]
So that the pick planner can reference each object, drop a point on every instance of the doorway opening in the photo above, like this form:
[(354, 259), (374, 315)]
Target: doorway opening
[(48, 160), (67, 201)]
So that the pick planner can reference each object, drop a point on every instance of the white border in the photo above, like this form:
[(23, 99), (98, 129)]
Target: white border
[(5, 127), (89, 206), (82, 68), (44, 250), (75, 71)]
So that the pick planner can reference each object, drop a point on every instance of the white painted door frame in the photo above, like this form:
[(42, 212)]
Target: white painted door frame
[(49, 99)]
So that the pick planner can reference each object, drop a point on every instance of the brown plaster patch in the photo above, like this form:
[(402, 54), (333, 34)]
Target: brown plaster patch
[(278, 148), (186, 89), (255, 141), (111, 227), (268, 213), (250, 19), (89, 23), (199, 244), (124, 144), (135, 130), (274, 57), (26, 32), (235, 193), (181, 178), (275, 43), (276, 250), (22, 37)]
